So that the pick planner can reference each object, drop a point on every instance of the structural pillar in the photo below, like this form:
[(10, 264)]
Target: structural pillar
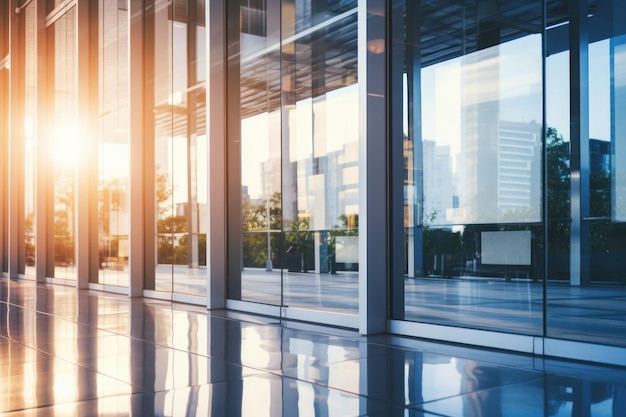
[(373, 168), (15, 201), (579, 143), (216, 129), (142, 258), (44, 196), (87, 168)]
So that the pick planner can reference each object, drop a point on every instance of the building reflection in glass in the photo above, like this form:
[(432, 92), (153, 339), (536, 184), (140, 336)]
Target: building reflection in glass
[(298, 154), (177, 89)]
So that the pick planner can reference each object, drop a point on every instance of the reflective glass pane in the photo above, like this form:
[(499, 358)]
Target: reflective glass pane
[(66, 139), (557, 141), (587, 292), (321, 160), (473, 164), (298, 154), (113, 143), (260, 153), (30, 117), (180, 145)]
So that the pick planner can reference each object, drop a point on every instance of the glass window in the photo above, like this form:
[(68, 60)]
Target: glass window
[(297, 159), (113, 143), (178, 89), (320, 163), (260, 160), (67, 140), (557, 141), (587, 287), (473, 164), (30, 137)]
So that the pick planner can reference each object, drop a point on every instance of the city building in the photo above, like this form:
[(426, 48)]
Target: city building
[(452, 170)]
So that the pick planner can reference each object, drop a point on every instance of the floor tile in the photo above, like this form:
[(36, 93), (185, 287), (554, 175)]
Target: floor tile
[(81, 353)]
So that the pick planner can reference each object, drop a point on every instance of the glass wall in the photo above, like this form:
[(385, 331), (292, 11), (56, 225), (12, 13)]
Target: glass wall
[(320, 155), (296, 158), (113, 143), (514, 193), (587, 289), (176, 80), (259, 152), (472, 134), (30, 145), (66, 138)]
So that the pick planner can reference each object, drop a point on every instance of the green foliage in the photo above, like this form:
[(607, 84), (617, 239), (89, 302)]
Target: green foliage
[(172, 224), (254, 216), (287, 237), (255, 228)]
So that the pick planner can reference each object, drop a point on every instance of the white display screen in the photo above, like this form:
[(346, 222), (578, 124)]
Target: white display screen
[(506, 248)]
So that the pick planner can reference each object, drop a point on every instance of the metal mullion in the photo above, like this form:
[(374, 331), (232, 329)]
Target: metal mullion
[(15, 189), (59, 11), (398, 47), (579, 141)]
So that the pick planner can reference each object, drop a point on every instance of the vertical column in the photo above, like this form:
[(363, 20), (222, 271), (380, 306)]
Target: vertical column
[(44, 198), (4, 132), (373, 174), (141, 239), (217, 128), (87, 168), (16, 140), (232, 152), (579, 142), (397, 170)]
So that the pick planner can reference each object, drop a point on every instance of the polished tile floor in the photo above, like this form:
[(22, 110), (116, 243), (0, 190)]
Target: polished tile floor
[(65, 352)]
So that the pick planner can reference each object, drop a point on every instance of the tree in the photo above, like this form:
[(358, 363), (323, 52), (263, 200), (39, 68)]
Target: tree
[(255, 228)]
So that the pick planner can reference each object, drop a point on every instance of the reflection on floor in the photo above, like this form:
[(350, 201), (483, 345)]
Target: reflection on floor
[(65, 352)]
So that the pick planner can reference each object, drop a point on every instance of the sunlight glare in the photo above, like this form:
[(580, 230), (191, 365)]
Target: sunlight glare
[(68, 145)]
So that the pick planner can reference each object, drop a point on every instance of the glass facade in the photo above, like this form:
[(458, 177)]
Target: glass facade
[(113, 144), (473, 155), (585, 293), (30, 139), (67, 141), (298, 155), (176, 40), (511, 152), (503, 150)]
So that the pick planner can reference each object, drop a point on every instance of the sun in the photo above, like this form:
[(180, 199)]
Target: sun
[(68, 145)]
